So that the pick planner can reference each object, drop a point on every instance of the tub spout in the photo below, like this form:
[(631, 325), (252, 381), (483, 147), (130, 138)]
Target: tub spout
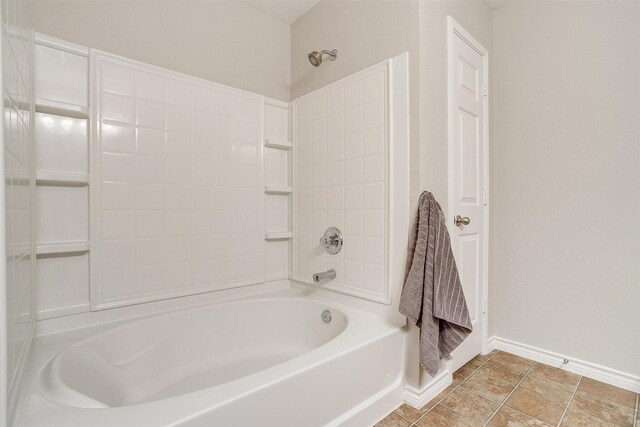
[(325, 275)]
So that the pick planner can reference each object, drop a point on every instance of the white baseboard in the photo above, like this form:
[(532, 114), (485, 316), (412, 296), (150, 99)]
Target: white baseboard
[(577, 366), (420, 397)]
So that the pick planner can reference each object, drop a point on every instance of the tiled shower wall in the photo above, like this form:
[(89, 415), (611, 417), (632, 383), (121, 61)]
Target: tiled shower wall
[(341, 178), (17, 42), (177, 185)]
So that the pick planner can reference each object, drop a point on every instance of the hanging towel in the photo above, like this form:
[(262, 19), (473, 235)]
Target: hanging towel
[(432, 296)]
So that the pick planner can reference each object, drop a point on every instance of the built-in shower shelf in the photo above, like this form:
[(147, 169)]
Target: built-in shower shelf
[(278, 235), (61, 248), (278, 144), (278, 189), (62, 179), (61, 108)]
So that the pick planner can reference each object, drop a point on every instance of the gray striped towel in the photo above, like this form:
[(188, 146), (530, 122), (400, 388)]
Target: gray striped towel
[(432, 296)]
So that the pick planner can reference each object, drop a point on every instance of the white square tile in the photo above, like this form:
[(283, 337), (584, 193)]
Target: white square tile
[(317, 130), (374, 170), (205, 149), (335, 173), (117, 196), (150, 142), (335, 125), (149, 87), (373, 223), (150, 279), (118, 282), (373, 114), (318, 107), (353, 171), (116, 78), (149, 224), (353, 248), (177, 223), (150, 114), (374, 250), (353, 120), (374, 87), (319, 175), (335, 149), (178, 274), (318, 153), (150, 251), (374, 196), (335, 218), (353, 197), (203, 99), (178, 249), (353, 95), (149, 169), (178, 145), (118, 225), (177, 197), (177, 171), (117, 108), (116, 138), (373, 278), (353, 145), (335, 101), (338, 265), (118, 253), (178, 119), (318, 223), (353, 273), (149, 196), (118, 167), (319, 201), (353, 222), (374, 141), (178, 93)]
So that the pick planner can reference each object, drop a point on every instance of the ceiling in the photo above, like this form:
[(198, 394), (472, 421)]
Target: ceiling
[(284, 10)]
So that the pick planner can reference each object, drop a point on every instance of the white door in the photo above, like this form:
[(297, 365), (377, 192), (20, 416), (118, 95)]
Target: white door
[(467, 186)]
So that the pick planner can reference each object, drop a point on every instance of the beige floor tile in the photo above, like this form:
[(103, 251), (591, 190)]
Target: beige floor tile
[(550, 390), (557, 375), (411, 413), (485, 385), (609, 392), (575, 418), (440, 416), (446, 391), (606, 410), (480, 359), (502, 372), (517, 363), (470, 405), (507, 417), (535, 405), (393, 420), (464, 372)]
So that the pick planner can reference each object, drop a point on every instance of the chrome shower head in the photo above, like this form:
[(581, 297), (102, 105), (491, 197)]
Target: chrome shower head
[(315, 57)]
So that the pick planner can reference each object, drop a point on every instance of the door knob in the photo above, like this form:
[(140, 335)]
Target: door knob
[(462, 220)]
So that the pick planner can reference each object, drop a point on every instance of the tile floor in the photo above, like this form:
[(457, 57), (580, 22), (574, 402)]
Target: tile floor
[(501, 389)]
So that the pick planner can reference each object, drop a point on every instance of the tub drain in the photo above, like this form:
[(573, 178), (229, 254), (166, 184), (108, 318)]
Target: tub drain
[(326, 316)]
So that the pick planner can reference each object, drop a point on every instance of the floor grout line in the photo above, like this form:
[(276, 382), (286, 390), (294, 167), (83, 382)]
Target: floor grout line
[(509, 395), (569, 403), (455, 388)]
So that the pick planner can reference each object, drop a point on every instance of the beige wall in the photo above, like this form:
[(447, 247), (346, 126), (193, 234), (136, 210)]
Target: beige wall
[(365, 33), (227, 42), (565, 255)]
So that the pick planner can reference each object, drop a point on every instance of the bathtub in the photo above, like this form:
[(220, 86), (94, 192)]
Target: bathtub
[(280, 359)]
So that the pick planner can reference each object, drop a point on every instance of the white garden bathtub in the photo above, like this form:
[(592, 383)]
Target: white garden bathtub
[(267, 361)]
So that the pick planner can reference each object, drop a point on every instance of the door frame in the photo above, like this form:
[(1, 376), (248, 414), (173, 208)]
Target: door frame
[(455, 29)]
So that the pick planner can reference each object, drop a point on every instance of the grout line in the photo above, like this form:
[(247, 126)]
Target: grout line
[(509, 395), (569, 403), (455, 388)]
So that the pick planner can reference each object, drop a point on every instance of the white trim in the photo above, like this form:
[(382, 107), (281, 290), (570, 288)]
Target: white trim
[(581, 367), (453, 28), (420, 397), (59, 44)]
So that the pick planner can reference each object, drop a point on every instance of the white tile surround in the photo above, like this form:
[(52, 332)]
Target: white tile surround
[(17, 132), (177, 180), (341, 180)]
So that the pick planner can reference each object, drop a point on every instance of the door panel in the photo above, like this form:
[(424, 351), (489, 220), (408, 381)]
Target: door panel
[(467, 179)]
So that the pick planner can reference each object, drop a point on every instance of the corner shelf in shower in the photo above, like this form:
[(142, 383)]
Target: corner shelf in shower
[(277, 235), (62, 179), (64, 109), (61, 248), (278, 189), (278, 144)]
